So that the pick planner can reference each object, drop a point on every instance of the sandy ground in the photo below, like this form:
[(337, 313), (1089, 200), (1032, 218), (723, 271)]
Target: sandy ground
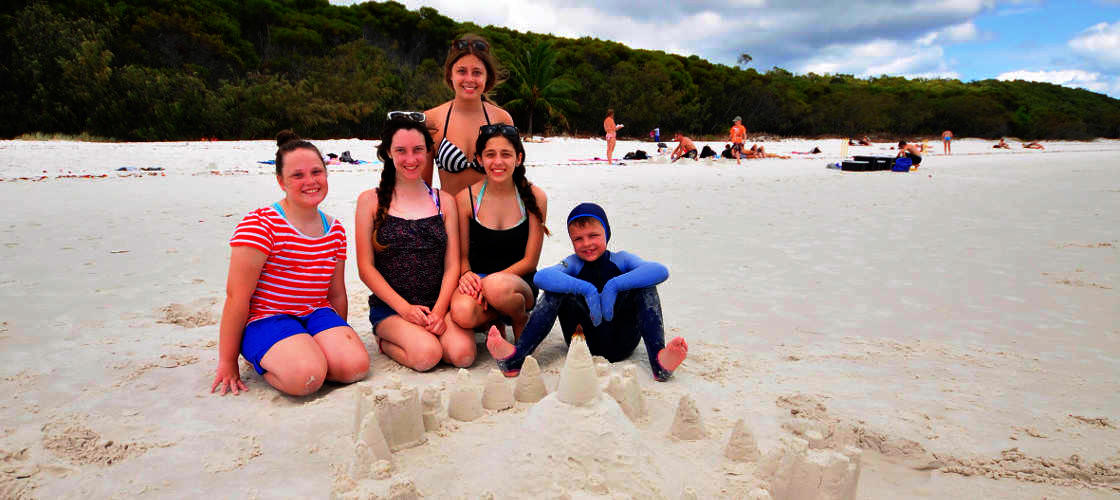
[(962, 320)]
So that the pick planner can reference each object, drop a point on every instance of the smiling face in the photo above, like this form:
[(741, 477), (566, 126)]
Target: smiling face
[(589, 240), (468, 77), (499, 158), (304, 178), (409, 153)]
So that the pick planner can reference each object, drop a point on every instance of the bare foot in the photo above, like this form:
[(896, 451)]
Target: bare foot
[(497, 345), (673, 354)]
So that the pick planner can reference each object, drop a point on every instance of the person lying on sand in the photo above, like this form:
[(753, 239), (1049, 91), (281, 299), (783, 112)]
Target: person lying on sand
[(866, 141), (611, 296), (685, 148), (286, 302), (1002, 144), (758, 151), (813, 151), (1033, 145)]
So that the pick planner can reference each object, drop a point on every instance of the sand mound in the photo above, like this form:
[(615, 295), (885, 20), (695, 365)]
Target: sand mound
[(1015, 464), (201, 312), (82, 446), (16, 475), (559, 453)]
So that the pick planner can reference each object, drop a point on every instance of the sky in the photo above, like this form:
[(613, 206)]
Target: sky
[(1071, 43)]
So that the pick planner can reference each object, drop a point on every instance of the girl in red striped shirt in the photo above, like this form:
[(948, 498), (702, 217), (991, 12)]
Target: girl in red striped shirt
[(286, 301)]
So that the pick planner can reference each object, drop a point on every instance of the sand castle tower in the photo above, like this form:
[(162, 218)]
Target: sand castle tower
[(466, 402), (497, 394), (529, 387), (431, 401), (624, 388), (400, 416), (372, 438), (579, 385), (796, 472), (687, 424), (742, 446)]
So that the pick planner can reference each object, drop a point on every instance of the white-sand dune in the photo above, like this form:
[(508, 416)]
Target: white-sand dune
[(961, 323)]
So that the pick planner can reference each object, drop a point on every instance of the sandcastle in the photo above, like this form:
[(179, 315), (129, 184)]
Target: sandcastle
[(687, 424), (466, 402), (579, 383), (627, 392), (431, 401), (741, 447), (497, 394), (529, 387), (794, 471)]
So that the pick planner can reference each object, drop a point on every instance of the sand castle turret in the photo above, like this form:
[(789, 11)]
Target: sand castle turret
[(497, 394), (797, 472), (625, 390), (742, 447), (373, 438), (400, 416), (687, 424), (431, 401), (579, 385), (466, 400), (363, 400), (529, 387)]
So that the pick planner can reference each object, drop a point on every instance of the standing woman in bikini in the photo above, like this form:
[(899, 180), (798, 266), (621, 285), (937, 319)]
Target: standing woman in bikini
[(471, 71), (501, 230)]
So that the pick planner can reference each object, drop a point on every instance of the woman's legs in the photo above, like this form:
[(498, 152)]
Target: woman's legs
[(408, 344), (295, 365), (458, 344), (511, 296), (347, 359)]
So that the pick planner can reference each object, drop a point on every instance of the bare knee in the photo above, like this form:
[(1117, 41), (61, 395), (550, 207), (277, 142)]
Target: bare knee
[(462, 356), (353, 367), (425, 356), (303, 376), (464, 311)]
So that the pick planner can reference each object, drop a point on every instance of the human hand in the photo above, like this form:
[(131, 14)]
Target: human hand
[(436, 324), (417, 315), (607, 299), (594, 304), (470, 284), (228, 378)]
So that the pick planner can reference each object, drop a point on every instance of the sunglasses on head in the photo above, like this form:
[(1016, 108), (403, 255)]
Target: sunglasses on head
[(415, 116), (477, 45), (498, 128)]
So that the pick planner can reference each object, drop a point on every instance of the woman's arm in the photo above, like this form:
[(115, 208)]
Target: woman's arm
[(528, 263), (336, 293), (245, 264), (451, 257)]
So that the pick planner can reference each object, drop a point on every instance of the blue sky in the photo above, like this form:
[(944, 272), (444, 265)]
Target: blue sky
[(1073, 43)]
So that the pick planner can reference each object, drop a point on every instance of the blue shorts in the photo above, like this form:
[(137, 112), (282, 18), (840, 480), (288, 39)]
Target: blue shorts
[(262, 334), (377, 314)]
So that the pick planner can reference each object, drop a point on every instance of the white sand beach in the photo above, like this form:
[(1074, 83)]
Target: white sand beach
[(960, 323)]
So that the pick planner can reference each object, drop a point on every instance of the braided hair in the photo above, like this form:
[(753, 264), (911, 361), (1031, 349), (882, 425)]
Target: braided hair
[(388, 181), (524, 187)]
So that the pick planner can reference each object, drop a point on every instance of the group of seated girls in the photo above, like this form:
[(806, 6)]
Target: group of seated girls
[(439, 263)]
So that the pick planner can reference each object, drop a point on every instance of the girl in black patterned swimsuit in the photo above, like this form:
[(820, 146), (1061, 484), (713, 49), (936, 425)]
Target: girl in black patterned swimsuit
[(408, 253)]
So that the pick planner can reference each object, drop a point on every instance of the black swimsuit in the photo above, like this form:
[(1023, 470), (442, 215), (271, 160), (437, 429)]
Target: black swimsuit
[(492, 250)]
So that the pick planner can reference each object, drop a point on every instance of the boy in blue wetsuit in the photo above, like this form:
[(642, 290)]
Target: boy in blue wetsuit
[(612, 296)]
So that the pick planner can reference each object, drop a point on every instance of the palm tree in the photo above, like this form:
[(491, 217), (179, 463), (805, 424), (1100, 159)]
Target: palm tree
[(534, 86)]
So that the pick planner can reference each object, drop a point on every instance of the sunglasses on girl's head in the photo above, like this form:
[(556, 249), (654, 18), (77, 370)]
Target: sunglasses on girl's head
[(415, 116), (498, 128), (477, 45)]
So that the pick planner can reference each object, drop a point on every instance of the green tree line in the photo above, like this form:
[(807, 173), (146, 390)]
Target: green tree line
[(241, 69)]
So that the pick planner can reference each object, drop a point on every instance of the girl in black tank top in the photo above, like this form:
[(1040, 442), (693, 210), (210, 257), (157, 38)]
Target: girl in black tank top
[(407, 239), (501, 231)]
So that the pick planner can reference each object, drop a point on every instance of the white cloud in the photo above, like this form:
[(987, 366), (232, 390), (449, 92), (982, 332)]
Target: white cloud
[(1099, 43), (1069, 78), (881, 57)]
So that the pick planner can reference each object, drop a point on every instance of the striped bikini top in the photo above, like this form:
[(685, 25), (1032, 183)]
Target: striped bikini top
[(449, 157)]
